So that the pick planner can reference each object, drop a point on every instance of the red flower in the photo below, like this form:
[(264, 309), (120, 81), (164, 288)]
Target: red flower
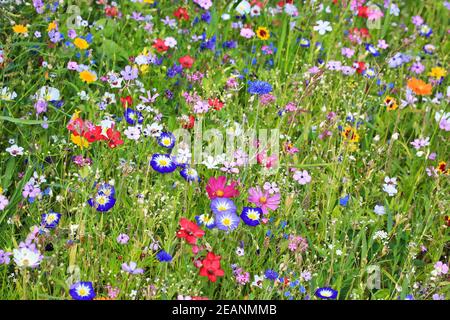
[(189, 231), (111, 11), (181, 14), (363, 12), (217, 188), (127, 101), (211, 267), (215, 103), (360, 66), (160, 45), (113, 137), (94, 134), (189, 124), (186, 61)]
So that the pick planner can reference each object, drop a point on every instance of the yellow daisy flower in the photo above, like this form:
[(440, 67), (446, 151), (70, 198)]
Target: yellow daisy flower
[(51, 26), (88, 76), (20, 29), (263, 33), (81, 43), (437, 72)]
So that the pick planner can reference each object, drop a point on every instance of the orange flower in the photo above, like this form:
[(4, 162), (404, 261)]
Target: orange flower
[(419, 87)]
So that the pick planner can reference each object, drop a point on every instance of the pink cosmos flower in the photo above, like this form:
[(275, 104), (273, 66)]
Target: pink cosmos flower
[(217, 188), (263, 199)]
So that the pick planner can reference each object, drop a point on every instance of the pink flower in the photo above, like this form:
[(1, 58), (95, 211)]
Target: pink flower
[(217, 188), (3, 202), (440, 268), (302, 177), (247, 33), (263, 199), (444, 124)]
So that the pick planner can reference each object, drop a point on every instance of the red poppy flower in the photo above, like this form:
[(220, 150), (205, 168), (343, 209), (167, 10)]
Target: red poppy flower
[(363, 12), (186, 61), (215, 103), (211, 267), (160, 45), (189, 231), (113, 137), (181, 14), (94, 134), (217, 188), (127, 101)]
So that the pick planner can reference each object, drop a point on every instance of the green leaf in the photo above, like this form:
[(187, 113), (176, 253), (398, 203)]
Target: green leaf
[(23, 121)]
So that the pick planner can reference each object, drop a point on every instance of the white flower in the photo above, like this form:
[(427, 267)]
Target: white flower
[(132, 133), (25, 257), (48, 94), (255, 11), (154, 129), (323, 27), (225, 17), (379, 210), (210, 162), (258, 281), (240, 251), (380, 235), (7, 95), (291, 9), (170, 42), (15, 150), (184, 155), (390, 189)]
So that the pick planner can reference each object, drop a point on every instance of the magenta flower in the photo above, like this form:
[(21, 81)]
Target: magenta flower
[(263, 199)]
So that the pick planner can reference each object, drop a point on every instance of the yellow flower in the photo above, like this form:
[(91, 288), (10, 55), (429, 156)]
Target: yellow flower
[(51, 26), (1, 190), (350, 134), (81, 43), (88, 76), (390, 103), (20, 28), (149, 1), (79, 141), (437, 72), (263, 33)]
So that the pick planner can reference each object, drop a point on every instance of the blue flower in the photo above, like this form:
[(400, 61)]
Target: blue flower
[(166, 140), (82, 291), (271, 274), (425, 31), (206, 219), (50, 220), (372, 50), (326, 293), (259, 87), (107, 190), (162, 163), (343, 201), (251, 216), (190, 174), (133, 116), (163, 256), (226, 221), (223, 205), (102, 203), (304, 42)]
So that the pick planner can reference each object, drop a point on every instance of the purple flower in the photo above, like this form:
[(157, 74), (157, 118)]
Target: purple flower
[(129, 73), (123, 238), (302, 177), (131, 268), (4, 257)]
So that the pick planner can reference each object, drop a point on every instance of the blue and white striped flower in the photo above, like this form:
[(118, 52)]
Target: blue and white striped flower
[(82, 291), (162, 163)]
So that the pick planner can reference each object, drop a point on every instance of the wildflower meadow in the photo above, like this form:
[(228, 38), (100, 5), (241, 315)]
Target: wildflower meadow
[(242, 150)]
